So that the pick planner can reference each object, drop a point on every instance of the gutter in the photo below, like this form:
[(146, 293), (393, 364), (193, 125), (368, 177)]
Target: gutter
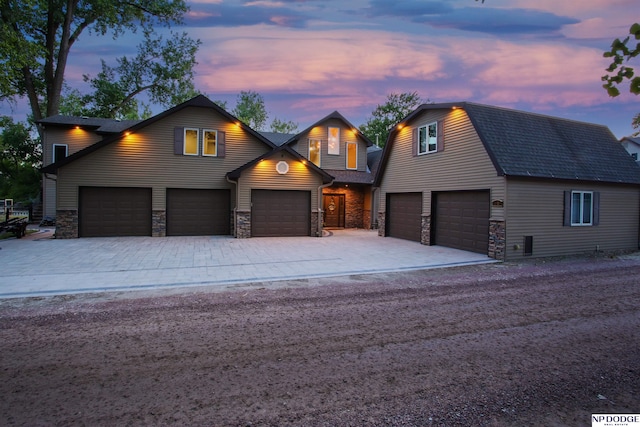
[(235, 207)]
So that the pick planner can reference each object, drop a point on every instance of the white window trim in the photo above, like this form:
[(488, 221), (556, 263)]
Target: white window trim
[(184, 142), (319, 142), (331, 152), (426, 128), (204, 132), (347, 156), (53, 154), (582, 224)]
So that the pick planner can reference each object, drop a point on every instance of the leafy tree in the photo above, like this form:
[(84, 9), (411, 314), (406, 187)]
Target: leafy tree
[(21, 158), (621, 51), (281, 126), (387, 115), (250, 109), (37, 36)]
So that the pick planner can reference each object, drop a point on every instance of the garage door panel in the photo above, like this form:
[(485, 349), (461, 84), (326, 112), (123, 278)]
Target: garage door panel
[(462, 220), (404, 216), (198, 212), (105, 212), (280, 213)]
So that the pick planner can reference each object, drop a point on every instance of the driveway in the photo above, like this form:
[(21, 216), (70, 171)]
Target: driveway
[(40, 265)]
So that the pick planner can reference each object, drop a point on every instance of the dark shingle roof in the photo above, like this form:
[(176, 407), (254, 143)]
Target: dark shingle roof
[(100, 125), (350, 177), (526, 144), (277, 138)]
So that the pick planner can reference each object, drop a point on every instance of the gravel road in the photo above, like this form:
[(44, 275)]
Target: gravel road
[(540, 343)]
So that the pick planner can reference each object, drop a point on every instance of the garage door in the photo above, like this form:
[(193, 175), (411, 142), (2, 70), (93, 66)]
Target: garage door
[(105, 212), (462, 220), (404, 216), (280, 213), (193, 212)]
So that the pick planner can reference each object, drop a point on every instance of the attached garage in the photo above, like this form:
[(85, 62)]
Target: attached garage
[(280, 213), (462, 220), (404, 216), (196, 212), (114, 211)]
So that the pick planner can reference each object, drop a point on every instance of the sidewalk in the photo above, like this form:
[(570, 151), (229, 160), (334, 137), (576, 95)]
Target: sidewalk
[(38, 265)]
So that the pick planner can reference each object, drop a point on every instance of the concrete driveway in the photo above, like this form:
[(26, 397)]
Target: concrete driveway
[(41, 266)]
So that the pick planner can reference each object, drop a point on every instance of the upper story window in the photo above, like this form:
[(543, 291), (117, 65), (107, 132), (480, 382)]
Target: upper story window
[(60, 151), (635, 156), (314, 151), (334, 141), (352, 155), (199, 142), (581, 208), (428, 138), (210, 143), (191, 137)]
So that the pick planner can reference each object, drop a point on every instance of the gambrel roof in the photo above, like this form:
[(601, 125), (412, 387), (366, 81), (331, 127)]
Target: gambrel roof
[(522, 144)]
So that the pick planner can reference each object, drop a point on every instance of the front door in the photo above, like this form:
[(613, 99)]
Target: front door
[(333, 206)]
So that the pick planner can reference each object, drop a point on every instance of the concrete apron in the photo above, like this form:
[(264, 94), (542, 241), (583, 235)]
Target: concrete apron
[(42, 266)]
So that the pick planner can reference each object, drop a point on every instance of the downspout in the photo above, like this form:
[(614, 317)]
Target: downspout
[(320, 212), (235, 208), (374, 211)]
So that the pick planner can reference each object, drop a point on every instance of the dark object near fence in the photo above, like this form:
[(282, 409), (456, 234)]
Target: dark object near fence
[(17, 226), (48, 221)]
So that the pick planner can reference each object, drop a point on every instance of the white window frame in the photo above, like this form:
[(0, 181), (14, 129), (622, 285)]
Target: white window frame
[(319, 144), (204, 142), (333, 142), (53, 154), (184, 142), (580, 208), (427, 144), (347, 155)]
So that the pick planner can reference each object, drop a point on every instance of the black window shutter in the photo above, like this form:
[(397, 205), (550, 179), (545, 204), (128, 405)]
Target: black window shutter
[(414, 142), (567, 208), (596, 208), (440, 136), (178, 140), (221, 149)]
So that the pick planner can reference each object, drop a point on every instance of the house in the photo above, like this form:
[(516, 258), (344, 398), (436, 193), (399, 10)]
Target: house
[(507, 183), (632, 145), (197, 170)]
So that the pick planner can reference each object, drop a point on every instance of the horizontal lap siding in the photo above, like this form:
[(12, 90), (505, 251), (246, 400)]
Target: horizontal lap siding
[(463, 165), (535, 208), (147, 158), (265, 177)]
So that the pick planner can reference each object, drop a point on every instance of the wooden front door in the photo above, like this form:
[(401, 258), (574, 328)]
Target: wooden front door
[(333, 206)]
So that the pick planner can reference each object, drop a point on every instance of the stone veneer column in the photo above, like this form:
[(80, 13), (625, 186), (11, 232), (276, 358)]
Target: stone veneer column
[(67, 224), (497, 239), (314, 225), (381, 230), (159, 223), (425, 235), (243, 222)]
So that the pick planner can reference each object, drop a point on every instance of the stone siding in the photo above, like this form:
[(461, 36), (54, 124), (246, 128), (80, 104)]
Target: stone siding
[(354, 210), (497, 239), (67, 224), (381, 224), (243, 222), (315, 232), (159, 223), (425, 234)]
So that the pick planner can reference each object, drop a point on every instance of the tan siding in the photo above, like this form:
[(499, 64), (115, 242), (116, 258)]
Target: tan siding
[(75, 139), (263, 176), (338, 162), (535, 208), (147, 158), (463, 165)]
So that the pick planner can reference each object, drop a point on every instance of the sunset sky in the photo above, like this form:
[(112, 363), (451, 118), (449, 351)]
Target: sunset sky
[(310, 57)]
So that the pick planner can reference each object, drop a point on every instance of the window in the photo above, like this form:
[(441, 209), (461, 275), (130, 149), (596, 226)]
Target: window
[(59, 152), (581, 207), (635, 156), (352, 155), (314, 151), (191, 141), (334, 141), (428, 139), (210, 143)]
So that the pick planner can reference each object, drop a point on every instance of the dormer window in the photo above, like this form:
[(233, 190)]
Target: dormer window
[(334, 141), (314, 151), (352, 155)]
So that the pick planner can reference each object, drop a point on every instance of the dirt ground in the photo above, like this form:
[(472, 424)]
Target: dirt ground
[(542, 343)]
